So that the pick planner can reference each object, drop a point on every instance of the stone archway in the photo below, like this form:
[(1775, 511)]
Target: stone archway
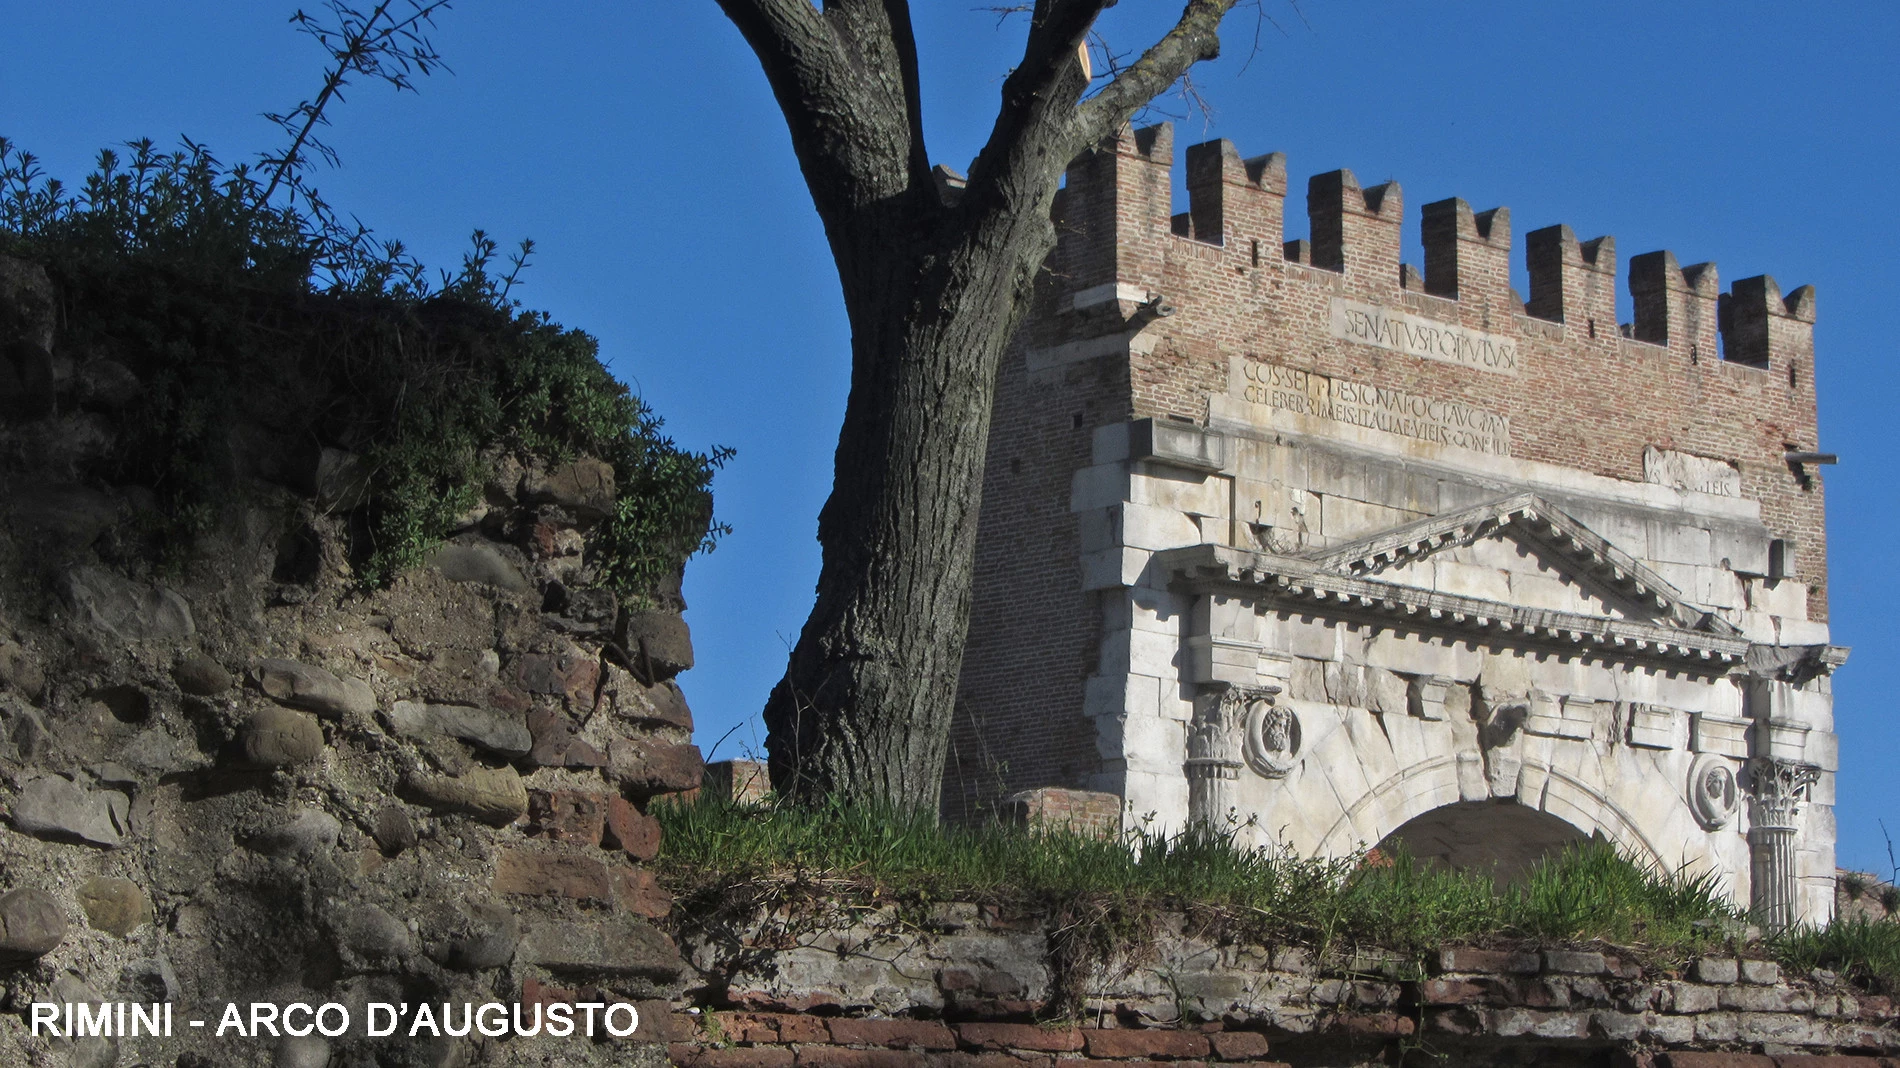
[(1497, 836)]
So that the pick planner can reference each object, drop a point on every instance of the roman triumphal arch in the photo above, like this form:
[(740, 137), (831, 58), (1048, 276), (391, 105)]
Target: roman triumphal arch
[(1292, 534)]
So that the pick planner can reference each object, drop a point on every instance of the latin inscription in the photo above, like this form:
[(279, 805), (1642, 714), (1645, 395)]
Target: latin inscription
[(1370, 324), (1394, 411)]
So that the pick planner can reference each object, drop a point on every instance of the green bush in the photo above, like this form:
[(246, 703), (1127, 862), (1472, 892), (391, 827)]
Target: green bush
[(230, 309)]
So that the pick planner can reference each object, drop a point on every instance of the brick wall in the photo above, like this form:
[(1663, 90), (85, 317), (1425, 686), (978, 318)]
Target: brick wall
[(972, 987)]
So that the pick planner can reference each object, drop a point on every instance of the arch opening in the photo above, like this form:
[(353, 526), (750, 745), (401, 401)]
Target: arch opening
[(1500, 837)]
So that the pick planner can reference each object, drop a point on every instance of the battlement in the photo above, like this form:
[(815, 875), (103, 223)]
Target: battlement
[(1119, 219)]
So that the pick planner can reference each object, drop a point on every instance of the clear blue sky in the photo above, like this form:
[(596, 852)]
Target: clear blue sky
[(638, 145)]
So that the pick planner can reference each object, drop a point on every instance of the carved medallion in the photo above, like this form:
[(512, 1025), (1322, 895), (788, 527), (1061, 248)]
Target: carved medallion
[(1713, 794), (1273, 736)]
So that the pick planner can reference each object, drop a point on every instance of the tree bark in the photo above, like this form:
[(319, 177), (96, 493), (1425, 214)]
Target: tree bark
[(935, 281)]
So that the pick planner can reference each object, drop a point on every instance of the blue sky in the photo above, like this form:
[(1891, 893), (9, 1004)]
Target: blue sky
[(638, 145)]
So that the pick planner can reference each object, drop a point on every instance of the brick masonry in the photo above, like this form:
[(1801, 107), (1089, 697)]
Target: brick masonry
[(885, 991)]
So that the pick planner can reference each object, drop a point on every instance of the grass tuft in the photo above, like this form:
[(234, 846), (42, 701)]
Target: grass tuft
[(721, 854)]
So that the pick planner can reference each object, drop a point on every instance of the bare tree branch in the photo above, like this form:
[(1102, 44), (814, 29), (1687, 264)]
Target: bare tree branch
[(1039, 95), (830, 77), (1194, 38)]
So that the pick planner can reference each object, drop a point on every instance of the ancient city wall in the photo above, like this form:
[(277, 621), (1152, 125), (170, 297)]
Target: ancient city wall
[(242, 776)]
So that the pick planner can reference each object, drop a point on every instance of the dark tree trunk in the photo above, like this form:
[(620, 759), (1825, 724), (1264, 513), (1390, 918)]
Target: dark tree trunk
[(936, 276)]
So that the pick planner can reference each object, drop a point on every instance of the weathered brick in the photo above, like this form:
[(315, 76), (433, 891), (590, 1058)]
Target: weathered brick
[(1172, 1045), (961, 1059), (552, 872), (1019, 1036), (567, 815), (816, 1056), (638, 892), (573, 677), (688, 1055), (1453, 991), (771, 1027), (1238, 1045), (1715, 1060), (1494, 961), (1374, 1023), (631, 830), (924, 1034)]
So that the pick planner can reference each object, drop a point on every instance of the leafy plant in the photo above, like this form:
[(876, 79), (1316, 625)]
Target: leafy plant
[(240, 297)]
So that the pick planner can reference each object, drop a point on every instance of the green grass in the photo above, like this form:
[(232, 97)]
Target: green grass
[(718, 854), (722, 858), (1866, 951)]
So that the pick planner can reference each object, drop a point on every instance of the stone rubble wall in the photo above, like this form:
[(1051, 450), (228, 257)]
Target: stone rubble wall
[(246, 779), (975, 987)]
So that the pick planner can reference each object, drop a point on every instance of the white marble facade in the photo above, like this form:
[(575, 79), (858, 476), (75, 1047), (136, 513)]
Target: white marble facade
[(1327, 634)]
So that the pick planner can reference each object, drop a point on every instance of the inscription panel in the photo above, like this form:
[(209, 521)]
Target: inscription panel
[(1393, 411), (1369, 324)]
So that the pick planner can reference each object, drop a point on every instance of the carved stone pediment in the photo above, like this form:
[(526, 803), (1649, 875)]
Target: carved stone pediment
[(1630, 613)]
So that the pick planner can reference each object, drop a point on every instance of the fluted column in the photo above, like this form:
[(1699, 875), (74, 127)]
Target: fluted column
[(1777, 789)]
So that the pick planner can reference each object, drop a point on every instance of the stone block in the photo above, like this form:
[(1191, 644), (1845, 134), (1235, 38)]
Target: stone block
[(495, 730), (1500, 961), (608, 946), (552, 873), (659, 642), (201, 676), (281, 737), (116, 906), (314, 689), (1713, 1060), (20, 671), (584, 486), (1724, 735), (1765, 972), (745, 782), (32, 924), (478, 562), (57, 808), (645, 769), (693, 1056), (495, 796), (1716, 970), (1568, 962)]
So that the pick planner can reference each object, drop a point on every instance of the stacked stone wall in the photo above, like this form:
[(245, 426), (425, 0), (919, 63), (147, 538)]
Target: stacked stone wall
[(246, 778)]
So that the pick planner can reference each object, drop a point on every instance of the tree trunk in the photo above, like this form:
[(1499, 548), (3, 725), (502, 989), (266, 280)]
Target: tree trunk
[(864, 708), (935, 281)]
